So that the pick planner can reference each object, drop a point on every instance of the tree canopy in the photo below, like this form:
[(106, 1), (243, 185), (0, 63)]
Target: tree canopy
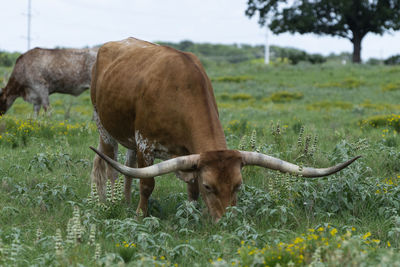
[(351, 19)]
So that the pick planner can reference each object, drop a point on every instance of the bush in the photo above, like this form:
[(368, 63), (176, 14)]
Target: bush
[(393, 60), (391, 87), (295, 55), (8, 59), (233, 79), (285, 96), (374, 61), (347, 83), (329, 105), (217, 52), (392, 120)]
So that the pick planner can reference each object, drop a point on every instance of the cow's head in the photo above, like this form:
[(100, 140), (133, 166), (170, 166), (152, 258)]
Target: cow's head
[(219, 173), (219, 177)]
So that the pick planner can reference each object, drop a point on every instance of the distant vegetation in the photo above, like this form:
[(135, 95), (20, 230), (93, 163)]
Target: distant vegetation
[(242, 52), (218, 52), (8, 59), (237, 53)]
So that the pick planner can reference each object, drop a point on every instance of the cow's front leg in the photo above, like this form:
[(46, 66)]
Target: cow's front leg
[(146, 184), (190, 177), (131, 161), (193, 190)]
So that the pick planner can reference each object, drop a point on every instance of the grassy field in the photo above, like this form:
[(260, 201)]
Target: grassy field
[(313, 115)]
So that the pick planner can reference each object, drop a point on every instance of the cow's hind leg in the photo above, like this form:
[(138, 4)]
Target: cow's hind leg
[(131, 161), (36, 109), (101, 170), (146, 185)]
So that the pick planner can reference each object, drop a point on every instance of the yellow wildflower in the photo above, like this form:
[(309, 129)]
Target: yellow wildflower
[(298, 240), (368, 234), (334, 232)]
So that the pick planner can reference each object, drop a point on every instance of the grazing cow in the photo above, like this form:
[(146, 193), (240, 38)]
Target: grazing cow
[(41, 72), (159, 103)]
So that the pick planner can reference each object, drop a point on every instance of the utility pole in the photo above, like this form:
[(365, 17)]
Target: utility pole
[(29, 25), (266, 52)]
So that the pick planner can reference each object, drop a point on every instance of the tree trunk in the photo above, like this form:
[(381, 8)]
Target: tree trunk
[(356, 48)]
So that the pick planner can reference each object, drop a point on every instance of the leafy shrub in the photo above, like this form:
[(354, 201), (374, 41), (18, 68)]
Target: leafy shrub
[(43, 195), (233, 97), (391, 87), (348, 83), (294, 56), (284, 96), (232, 79), (218, 52), (381, 106), (393, 60), (330, 105), (8, 59), (241, 96), (316, 59), (238, 126), (374, 61), (392, 121), (280, 61)]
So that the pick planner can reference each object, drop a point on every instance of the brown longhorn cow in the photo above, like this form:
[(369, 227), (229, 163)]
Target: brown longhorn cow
[(41, 72), (159, 103)]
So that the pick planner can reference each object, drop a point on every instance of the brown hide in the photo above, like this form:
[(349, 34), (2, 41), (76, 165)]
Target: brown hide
[(41, 72), (160, 92)]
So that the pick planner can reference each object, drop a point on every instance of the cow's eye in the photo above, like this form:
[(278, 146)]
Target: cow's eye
[(207, 187)]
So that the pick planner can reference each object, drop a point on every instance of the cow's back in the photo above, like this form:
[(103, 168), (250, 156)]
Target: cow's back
[(156, 90), (56, 70)]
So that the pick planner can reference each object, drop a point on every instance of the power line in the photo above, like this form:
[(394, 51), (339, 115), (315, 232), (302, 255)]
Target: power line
[(29, 25)]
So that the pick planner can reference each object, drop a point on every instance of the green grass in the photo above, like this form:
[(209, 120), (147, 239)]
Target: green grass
[(324, 114)]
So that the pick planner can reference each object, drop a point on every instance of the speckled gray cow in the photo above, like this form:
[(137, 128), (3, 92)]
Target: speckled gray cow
[(41, 72)]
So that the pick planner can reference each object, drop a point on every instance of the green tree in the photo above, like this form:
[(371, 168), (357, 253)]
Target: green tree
[(351, 19)]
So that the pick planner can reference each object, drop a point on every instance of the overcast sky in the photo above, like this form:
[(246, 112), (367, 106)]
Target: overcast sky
[(79, 23)]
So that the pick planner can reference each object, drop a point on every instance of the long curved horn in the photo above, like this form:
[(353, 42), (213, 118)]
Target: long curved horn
[(175, 164), (254, 158)]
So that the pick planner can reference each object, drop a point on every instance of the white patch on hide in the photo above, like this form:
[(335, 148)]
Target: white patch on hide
[(145, 147), (151, 150), (107, 138)]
